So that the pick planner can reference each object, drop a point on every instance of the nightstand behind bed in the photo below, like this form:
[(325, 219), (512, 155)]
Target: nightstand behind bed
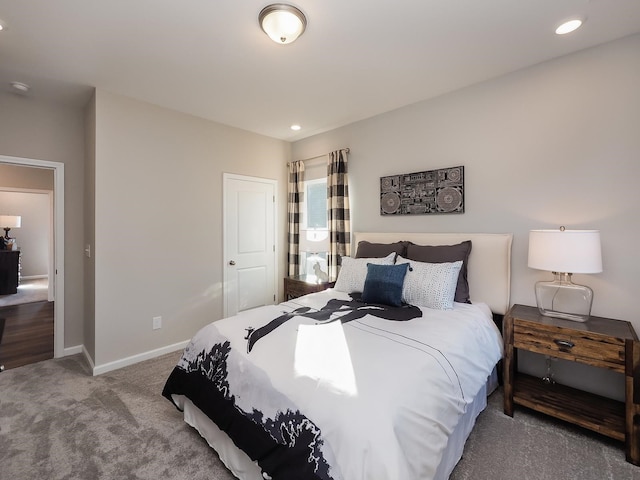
[(303, 284)]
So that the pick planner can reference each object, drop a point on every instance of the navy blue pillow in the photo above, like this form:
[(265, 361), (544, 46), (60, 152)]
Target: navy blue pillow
[(384, 284)]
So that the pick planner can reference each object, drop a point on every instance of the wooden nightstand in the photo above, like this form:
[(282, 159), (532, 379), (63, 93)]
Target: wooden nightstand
[(600, 342), (303, 284)]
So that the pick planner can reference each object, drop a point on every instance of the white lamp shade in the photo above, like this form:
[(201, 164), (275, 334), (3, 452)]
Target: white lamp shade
[(314, 241), (566, 251), (282, 23), (10, 221)]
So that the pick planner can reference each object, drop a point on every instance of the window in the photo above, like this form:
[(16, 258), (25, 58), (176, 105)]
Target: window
[(314, 229), (315, 205)]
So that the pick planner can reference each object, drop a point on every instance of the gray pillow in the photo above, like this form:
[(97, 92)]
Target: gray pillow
[(445, 254), (379, 250)]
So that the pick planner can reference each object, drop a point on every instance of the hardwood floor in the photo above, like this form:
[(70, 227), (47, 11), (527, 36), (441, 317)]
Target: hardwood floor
[(28, 334)]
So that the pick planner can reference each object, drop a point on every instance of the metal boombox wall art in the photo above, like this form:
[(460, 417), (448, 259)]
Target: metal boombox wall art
[(432, 191)]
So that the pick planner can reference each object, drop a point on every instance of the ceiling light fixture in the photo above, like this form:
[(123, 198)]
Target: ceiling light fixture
[(282, 23), (569, 26), (295, 127)]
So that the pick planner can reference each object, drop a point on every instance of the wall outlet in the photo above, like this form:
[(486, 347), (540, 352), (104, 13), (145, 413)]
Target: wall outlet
[(157, 323)]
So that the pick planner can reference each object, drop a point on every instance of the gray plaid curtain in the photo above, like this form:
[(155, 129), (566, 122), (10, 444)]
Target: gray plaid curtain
[(294, 200), (338, 209)]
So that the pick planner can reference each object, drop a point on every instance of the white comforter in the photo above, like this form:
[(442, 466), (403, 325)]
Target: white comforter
[(384, 394)]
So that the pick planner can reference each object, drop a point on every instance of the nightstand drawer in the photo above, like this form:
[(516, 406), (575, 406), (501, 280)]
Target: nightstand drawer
[(604, 352), (295, 290)]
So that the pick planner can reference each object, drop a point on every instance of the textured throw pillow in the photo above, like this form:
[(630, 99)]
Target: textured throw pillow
[(446, 253), (378, 250), (384, 284), (353, 272), (431, 285)]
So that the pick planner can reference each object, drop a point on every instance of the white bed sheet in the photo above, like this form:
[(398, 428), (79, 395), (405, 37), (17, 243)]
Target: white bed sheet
[(411, 442)]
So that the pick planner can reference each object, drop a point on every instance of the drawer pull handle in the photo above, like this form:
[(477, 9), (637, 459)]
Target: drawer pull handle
[(564, 343)]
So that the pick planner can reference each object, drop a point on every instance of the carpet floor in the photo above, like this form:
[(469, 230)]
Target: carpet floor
[(31, 290), (59, 422)]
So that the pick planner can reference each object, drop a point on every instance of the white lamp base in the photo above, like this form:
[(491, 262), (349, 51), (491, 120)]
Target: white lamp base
[(562, 298)]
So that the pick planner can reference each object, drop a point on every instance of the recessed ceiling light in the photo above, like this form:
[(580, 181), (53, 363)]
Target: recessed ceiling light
[(295, 127), (20, 87), (569, 26)]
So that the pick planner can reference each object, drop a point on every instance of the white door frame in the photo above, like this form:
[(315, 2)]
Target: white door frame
[(58, 242), (225, 248)]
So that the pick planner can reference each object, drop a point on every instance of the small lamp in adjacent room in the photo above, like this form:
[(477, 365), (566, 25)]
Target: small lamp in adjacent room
[(7, 222), (565, 252)]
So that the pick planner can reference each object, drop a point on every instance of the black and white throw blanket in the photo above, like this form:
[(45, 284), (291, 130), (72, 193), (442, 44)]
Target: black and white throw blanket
[(327, 387)]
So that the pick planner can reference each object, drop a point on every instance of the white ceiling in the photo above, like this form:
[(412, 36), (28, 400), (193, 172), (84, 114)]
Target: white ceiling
[(357, 58)]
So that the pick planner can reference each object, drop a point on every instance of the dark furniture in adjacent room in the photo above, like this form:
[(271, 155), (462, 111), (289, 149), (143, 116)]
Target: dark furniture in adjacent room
[(9, 268)]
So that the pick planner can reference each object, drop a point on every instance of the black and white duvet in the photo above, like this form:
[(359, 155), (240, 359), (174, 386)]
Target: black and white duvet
[(326, 387)]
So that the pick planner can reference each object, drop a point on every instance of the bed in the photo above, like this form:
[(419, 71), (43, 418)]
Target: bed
[(355, 385)]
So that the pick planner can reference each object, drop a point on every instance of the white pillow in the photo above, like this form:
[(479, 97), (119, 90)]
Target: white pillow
[(431, 285), (353, 272)]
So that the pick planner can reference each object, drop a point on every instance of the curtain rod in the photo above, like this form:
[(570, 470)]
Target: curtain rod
[(318, 156)]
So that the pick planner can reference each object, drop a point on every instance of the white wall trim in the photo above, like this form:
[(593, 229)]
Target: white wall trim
[(87, 356), (34, 277), (125, 362), (73, 350), (58, 240)]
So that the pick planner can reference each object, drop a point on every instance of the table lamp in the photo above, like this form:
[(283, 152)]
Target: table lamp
[(565, 252), (8, 222), (314, 242)]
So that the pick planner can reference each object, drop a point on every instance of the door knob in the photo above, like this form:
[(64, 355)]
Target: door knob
[(231, 262)]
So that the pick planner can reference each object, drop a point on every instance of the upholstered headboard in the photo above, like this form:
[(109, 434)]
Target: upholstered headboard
[(489, 267)]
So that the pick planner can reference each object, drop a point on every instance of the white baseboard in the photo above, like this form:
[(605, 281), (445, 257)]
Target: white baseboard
[(88, 358), (33, 277), (76, 350), (125, 362), (72, 350)]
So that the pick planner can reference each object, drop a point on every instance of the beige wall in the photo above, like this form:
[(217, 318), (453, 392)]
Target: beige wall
[(34, 235), (556, 144), (158, 220), (16, 176), (41, 130)]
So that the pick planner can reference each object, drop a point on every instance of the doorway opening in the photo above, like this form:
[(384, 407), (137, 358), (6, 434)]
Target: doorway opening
[(30, 319)]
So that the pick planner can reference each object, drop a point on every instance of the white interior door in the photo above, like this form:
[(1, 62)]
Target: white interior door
[(249, 243)]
